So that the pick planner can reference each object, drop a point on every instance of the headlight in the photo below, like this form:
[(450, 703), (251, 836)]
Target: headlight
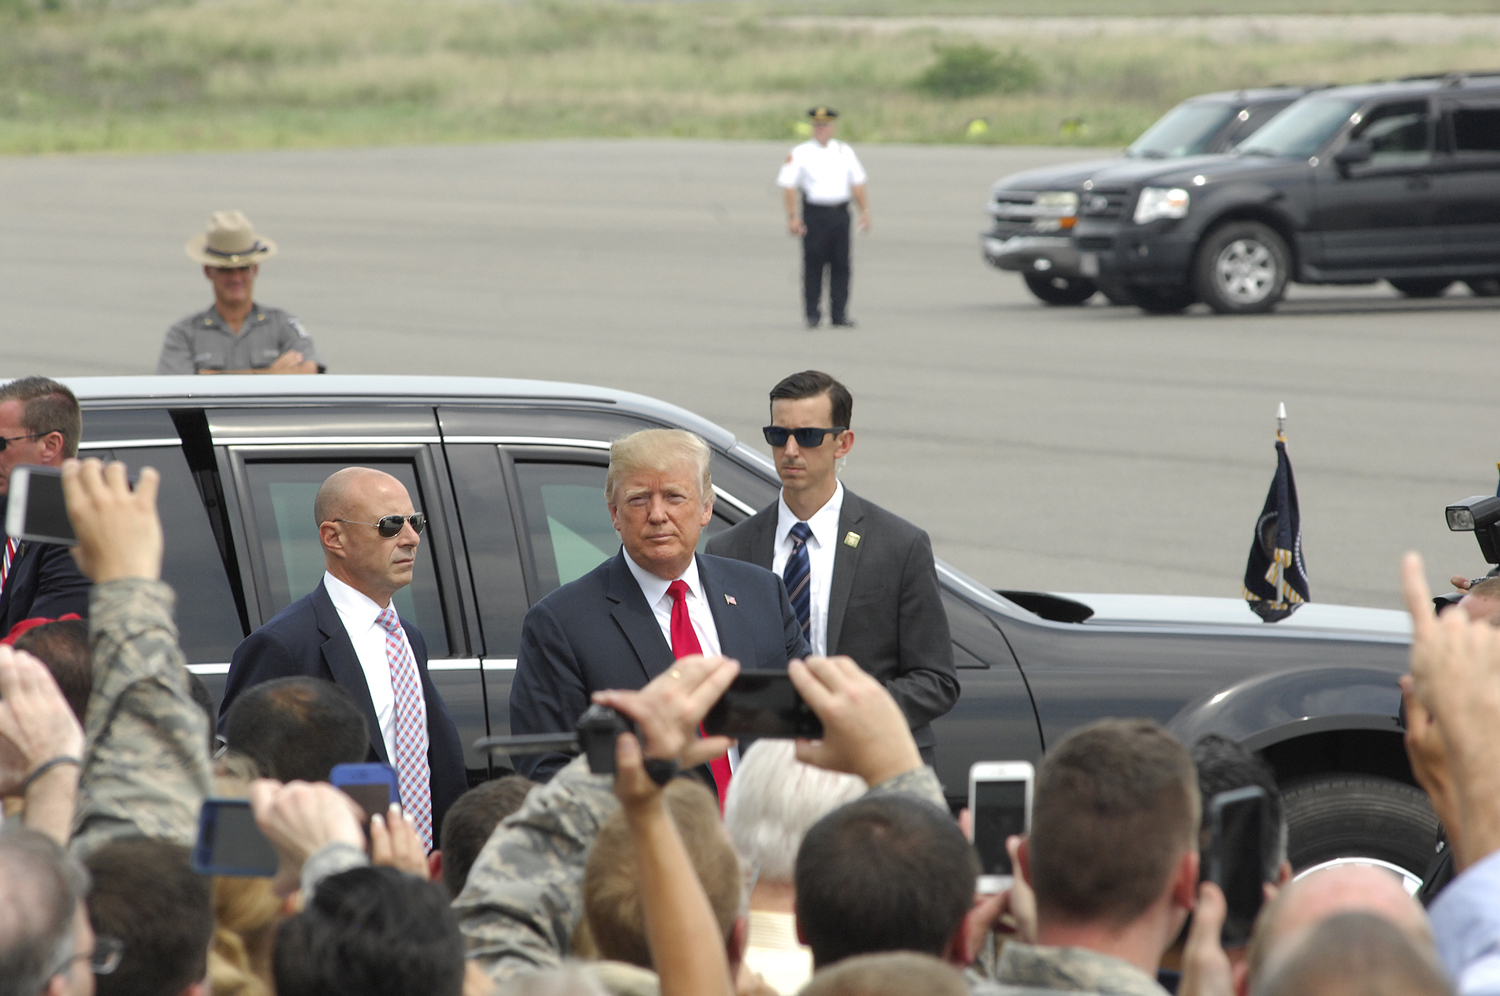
[(1159, 202)]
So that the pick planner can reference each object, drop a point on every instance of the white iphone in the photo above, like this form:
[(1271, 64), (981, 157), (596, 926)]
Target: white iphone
[(999, 806)]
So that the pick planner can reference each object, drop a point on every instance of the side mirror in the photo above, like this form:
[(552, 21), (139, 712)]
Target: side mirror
[(1354, 152)]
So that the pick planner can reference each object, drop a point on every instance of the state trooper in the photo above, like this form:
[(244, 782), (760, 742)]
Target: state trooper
[(236, 335), (826, 173)]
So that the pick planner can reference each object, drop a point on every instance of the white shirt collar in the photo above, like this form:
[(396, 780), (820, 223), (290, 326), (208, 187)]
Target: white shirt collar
[(351, 601), (824, 522), (654, 588)]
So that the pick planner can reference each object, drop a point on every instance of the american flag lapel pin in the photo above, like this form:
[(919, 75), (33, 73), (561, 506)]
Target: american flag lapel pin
[(730, 600)]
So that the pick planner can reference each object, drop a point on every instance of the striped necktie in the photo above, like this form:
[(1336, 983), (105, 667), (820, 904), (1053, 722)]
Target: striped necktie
[(412, 770), (6, 558), (797, 574)]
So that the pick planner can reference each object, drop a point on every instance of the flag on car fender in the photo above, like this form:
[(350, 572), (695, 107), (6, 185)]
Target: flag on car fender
[(1276, 577)]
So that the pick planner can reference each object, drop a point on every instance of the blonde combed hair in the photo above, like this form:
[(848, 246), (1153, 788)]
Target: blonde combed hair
[(658, 449)]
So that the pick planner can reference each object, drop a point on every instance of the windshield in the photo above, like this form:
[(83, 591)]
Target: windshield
[(1185, 130), (1300, 130)]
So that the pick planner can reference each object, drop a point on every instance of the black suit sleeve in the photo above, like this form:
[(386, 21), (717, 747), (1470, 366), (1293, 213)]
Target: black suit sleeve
[(61, 586), (926, 686), (261, 656), (549, 693)]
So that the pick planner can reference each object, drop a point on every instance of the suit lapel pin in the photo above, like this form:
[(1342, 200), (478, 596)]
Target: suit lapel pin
[(730, 600), (851, 539)]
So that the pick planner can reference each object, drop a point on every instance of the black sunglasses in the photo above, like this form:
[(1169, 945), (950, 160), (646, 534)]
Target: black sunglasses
[(7, 440), (808, 438), (390, 525)]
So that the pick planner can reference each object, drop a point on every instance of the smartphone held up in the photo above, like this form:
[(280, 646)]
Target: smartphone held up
[(999, 807)]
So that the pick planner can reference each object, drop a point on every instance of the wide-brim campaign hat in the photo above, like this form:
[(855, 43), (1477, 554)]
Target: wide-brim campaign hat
[(230, 242), (822, 115)]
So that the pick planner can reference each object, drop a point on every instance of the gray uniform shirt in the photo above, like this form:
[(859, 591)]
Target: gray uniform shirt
[(205, 342)]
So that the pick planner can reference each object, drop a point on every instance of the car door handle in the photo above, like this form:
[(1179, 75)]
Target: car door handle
[(1418, 183)]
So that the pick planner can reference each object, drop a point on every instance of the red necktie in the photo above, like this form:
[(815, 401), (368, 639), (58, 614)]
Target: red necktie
[(685, 644)]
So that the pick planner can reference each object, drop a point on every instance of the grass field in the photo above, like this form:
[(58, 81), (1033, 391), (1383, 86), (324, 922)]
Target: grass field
[(267, 73)]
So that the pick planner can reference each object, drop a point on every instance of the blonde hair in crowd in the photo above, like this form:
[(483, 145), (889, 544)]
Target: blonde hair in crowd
[(658, 449), (246, 910)]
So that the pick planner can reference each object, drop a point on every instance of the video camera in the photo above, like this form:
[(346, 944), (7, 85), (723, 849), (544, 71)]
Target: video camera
[(1479, 515)]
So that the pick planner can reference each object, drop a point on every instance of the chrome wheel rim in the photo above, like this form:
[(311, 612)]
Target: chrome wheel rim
[(1246, 271), (1411, 883)]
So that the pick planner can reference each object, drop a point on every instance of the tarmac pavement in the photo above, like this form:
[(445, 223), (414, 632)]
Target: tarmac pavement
[(1077, 449)]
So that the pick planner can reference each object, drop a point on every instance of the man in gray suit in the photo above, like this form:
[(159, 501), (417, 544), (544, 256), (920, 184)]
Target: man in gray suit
[(861, 580)]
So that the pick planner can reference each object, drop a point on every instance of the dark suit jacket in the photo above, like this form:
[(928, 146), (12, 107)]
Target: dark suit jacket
[(307, 638), (43, 581), (885, 608), (598, 633)]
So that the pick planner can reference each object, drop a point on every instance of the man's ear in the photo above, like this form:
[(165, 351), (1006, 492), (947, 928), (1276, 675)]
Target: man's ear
[(1023, 861), (734, 944), (1240, 974), (963, 946), (52, 448), (332, 538), (435, 866), (1185, 880), (801, 934), (846, 443)]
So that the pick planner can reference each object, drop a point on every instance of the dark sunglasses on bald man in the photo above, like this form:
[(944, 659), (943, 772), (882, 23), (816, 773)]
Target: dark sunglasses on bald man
[(7, 440), (808, 438), (390, 525)]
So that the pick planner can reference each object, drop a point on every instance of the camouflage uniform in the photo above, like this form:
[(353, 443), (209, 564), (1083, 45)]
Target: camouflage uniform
[(1029, 968), (524, 895), (146, 767)]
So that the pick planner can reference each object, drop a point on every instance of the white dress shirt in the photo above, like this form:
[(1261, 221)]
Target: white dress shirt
[(357, 611), (821, 547), (699, 613), (826, 174)]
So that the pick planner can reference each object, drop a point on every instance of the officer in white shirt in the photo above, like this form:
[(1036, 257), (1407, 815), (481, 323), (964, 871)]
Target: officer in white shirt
[(826, 172)]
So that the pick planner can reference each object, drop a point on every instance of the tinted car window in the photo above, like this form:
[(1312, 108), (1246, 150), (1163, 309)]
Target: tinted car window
[(281, 496), (1250, 121), (208, 622), (1302, 129), (1476, 129), (568, 523), (1183, 131), (1399, 133)]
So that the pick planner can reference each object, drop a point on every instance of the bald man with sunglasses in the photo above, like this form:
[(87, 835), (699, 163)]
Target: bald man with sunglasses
[(347, 631)]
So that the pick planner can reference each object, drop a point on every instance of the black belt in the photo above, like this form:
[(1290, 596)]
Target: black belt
[(810, 206)]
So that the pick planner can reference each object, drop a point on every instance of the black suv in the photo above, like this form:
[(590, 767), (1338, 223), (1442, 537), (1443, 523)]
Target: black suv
[(1034, 210), (510, 474), (1396, 181)]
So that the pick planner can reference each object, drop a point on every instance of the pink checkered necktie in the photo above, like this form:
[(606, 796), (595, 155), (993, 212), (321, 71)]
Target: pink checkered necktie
[(410, 762)]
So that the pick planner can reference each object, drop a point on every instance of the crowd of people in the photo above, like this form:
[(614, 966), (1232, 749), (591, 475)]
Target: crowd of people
[(828, 866)]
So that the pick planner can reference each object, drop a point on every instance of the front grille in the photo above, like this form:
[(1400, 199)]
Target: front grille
[(1100, 203), (1013, 205)]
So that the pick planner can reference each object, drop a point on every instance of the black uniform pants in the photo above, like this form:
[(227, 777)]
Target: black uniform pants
[(826, 244)]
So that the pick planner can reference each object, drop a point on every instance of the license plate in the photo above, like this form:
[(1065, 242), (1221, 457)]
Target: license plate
[(1088, 264)]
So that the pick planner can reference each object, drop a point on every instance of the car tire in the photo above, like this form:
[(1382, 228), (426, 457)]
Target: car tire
[(1060, 290), (1242, 268), (1421, 286), (1359, 816), (1484, 286), (1161, 300)]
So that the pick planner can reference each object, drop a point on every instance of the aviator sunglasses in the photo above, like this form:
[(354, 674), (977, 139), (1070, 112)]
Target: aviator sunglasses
[(808, 438), (390, 525)]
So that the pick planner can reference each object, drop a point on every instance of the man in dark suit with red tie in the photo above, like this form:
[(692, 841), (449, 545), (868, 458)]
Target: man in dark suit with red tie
[(627, 620), (40, 425), (863, 581)]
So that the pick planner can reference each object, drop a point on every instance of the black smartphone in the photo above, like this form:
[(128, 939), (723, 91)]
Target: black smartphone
[(371, 784), (36, 510), (229, 842), (763, 704), (1236, 827)]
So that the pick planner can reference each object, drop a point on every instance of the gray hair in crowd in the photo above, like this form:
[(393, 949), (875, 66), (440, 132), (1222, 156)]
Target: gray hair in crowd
[(569, 980), (41, 886), (658, 449), (1354, 954), (774, 799)]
